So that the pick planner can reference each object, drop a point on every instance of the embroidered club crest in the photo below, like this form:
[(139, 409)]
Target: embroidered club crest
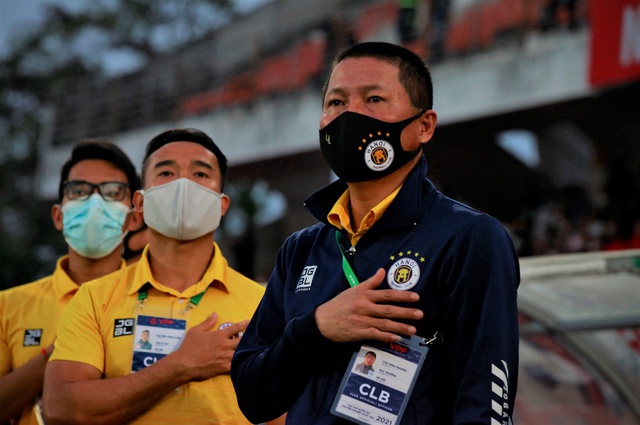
[(403, 274)]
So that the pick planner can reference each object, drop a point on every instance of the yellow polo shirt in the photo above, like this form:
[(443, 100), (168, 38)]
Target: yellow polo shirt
[(340, 217), (96, 330), (29, 317)]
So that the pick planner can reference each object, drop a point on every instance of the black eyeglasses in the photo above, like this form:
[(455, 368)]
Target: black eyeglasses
[(80, 190)]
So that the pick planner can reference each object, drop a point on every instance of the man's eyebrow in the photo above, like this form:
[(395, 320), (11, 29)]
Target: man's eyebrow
[(366, 88), (202, 164), (336, 90), (164, 163)]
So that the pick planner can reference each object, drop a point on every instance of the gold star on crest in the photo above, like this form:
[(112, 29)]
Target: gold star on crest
[(408, 253)]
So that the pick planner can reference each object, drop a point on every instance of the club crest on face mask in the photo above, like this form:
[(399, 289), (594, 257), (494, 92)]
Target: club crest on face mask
[(182, 209), (93, 228), (360, 148)]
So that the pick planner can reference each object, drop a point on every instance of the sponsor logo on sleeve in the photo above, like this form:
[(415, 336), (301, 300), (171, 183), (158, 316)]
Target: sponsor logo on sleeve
[(306, 278), (32, 337), (500, 400), (123, 327)]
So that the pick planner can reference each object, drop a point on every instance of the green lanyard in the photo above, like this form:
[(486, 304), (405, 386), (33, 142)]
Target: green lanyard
[(346, 267), (193, 301)]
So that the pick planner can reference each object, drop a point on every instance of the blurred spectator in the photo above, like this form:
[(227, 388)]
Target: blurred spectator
[(626, 235), (406, 20), (551, 14), (439, 20), (339, 36), (548, 230), (569, 222)]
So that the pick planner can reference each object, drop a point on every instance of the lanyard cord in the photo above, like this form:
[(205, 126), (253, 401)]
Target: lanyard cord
[(346, 267), (353, 281), (193, 301)]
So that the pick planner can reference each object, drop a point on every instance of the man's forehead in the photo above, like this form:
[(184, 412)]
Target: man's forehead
[(367, 73), (180, 151), (181, 146), (96, 169)]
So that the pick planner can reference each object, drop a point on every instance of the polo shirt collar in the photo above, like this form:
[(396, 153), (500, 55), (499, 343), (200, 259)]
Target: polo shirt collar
[(216, 273), (62, 283)]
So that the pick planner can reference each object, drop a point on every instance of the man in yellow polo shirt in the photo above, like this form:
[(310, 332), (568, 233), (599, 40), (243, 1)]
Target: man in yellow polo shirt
[(94, 209), (181, 291)]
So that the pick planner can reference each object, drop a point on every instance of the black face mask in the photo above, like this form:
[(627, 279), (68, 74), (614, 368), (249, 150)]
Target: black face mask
[(360, 148)]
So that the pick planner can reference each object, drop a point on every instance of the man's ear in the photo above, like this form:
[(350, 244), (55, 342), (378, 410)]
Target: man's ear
[(138, 202), (137, 217), (427, 126), (56, 216), (135, 220), (225, 203)]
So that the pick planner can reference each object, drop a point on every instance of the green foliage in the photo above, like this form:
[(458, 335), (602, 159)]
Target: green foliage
[(39, 62)]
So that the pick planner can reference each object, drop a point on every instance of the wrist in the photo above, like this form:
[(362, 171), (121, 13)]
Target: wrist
[(45, 354)]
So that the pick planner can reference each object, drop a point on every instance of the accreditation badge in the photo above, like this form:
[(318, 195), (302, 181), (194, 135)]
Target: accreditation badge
[(378, 382), (37, 411), (154, 338)]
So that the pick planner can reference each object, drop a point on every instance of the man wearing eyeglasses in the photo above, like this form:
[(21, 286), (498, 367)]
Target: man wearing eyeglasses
[(94, 213)]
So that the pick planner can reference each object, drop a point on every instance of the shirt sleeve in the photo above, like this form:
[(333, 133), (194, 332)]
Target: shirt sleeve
[(79, 338), (5, 352)]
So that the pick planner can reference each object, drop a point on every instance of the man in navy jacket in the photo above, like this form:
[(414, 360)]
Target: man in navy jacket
[(428, 266)]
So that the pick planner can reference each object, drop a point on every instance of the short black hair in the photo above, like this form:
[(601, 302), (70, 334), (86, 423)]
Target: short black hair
[(414, 73), (370, 352), (91, 148), (185, 135)]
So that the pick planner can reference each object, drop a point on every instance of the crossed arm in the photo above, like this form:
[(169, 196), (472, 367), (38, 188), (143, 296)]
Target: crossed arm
[(75, 393), (19, 387)]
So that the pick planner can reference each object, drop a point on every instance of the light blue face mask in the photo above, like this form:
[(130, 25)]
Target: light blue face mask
[(93, 228)]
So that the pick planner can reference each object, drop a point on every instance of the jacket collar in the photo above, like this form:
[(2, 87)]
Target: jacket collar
[(404, 210)]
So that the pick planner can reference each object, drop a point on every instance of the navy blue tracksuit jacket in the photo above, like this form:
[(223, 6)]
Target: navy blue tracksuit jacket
[(463, 265)]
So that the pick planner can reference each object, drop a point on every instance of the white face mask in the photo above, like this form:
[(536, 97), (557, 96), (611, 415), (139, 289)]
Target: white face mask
[(182, 209)]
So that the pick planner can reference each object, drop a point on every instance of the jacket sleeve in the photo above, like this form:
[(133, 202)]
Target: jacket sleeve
[(273, 362), (482, 275)]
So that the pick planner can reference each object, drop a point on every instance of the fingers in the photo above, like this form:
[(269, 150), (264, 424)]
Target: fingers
[(208, 323), (207, 350), (235, 330), (367, 312), (392, 329), (395, 312), (374, 281), (384, 295)]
